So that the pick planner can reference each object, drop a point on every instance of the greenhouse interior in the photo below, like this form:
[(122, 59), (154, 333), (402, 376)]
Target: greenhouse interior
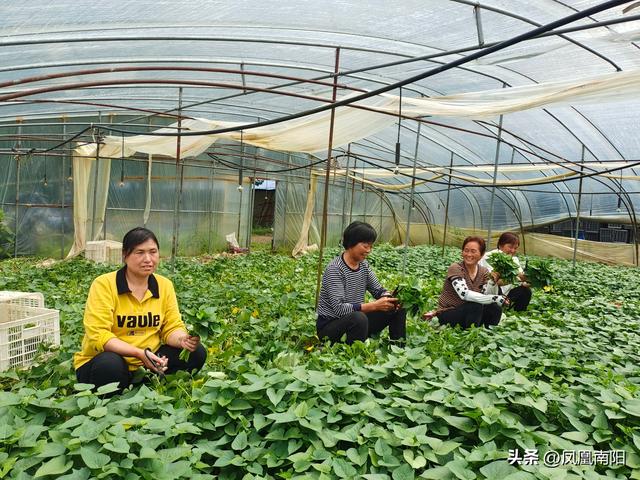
[(214, 123), (528, 136)]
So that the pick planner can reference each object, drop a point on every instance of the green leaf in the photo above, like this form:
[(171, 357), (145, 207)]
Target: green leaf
[(382, 448), (98, 412), (460, 470), (415, 462), (580, 437), (275, 396), (342, 469), (461, 423), (240, 442), (404, 472), (55, 466), (440, 447), (118, 445), (437, 473), (301, 410), (93, 458), (357, 457), (632, 406), (52, 449), (82, 474), (497, 470), (108, 388)]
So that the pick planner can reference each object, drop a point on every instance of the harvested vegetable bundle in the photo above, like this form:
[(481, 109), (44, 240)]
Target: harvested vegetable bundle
[(505, 266), (412, 296), (184, 353), (539, 273)]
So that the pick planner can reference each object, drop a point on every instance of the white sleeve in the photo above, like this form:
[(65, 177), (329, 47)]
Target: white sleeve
[(491, 288), (462, 290), (517, 262), (483, 262)]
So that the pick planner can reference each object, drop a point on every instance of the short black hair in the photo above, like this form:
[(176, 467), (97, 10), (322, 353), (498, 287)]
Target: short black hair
[(135, 237), (358, 232)]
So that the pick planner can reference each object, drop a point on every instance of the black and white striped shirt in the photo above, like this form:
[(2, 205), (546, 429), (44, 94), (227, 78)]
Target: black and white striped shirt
[(343, 289)]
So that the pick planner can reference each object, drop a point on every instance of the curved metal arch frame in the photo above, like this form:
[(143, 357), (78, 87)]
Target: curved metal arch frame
[(563, 195), (531, 22)]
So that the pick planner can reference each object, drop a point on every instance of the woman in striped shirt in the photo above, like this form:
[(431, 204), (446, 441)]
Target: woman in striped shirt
[(341, 306), (470, 294)]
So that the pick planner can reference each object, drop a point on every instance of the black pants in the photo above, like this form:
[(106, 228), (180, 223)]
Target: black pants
[(471, 313), (360, 326), (519, 298), (108, 367)]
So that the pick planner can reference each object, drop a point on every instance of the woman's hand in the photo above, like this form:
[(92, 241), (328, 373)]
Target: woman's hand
[(429, 315), (385, 304), (148, 358), (189, 342), (496, 278)]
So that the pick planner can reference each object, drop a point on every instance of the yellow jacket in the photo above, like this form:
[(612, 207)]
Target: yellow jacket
[(113, 312)]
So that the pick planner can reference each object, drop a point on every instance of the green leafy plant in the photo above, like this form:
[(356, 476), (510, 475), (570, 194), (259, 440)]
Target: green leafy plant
[(539, 272), (412, 296), (504, 265), (273, 402), (184, 353)]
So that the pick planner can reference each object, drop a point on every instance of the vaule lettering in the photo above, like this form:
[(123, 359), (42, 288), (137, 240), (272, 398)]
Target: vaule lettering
[(138, 321)]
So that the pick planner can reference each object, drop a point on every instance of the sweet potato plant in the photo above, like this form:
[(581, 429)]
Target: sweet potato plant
[(274, 402)]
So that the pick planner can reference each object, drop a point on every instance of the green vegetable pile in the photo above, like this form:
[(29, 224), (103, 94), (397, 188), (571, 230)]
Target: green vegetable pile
[(505, 266), (413, 296), (539, 272), (272, 402)]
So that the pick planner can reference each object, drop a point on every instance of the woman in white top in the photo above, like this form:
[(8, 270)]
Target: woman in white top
[(519, 295)]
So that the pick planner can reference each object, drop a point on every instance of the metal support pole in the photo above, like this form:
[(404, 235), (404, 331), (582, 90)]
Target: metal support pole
[(344, 196), (411, 200), (380, 197), (15, 229), (63, 181), (446, 207), (495, 175), (323, 234), (575, 241), (284, 205), (240, 182), (252, 199), (353, 189), (212, 172), (96, 134), (178, 185), (477, 13)]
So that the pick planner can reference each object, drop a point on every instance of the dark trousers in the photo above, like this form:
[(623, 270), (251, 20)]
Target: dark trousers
[(360, 326), (109, 367), (471, 313), (519, 298)]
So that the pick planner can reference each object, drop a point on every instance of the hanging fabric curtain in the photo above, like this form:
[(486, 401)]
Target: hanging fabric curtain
[(309, 134)]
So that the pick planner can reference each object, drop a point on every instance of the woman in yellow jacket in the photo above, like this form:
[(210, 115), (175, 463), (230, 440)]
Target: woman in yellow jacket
[(131, 319)]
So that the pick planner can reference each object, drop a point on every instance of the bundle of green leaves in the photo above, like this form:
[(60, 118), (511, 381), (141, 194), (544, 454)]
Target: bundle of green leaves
[(412, 296), (539, 273), (505, 266)]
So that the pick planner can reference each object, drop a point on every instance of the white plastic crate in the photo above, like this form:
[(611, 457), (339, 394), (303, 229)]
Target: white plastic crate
[(26, 299), (22, 329), (104, 251)]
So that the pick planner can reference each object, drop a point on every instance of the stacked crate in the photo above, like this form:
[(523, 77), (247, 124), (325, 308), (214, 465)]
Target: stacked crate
[(104, 251), (25, 324)]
